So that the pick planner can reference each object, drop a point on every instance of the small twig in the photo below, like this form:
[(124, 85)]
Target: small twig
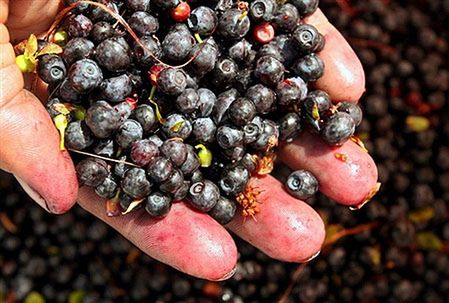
[(7, 223), (103, 158), (348, 232), (295, 277), (372, 44)]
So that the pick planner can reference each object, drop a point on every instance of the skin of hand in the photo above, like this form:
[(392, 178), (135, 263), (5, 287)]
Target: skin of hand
[(192, 242)]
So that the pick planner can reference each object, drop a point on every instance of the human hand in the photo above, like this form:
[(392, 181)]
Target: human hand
[(286, 229)]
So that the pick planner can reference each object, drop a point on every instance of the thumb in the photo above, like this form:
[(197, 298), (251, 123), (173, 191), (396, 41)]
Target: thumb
[(29, 143)]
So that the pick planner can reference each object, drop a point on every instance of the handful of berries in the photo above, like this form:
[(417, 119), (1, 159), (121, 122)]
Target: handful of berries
[(170, 100)]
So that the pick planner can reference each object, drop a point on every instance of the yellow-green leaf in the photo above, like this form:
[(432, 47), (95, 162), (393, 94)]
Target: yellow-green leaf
[(76, 296), (60, 37), (34, 297), (177, 126), (421, 215), (429, 241), (158, 113), (204, 155), (25, 65), (50, 48), (31, 46)]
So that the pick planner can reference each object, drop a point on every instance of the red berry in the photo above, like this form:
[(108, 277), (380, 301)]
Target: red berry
[(153, 73), (181, 13), (264, 32)]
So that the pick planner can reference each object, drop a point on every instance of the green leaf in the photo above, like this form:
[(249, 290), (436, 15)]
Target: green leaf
[(31, 47), (429, 241), (76, 296), (204, 155), (34, 297)]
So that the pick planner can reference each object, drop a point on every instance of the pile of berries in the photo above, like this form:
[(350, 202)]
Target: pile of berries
[(174, 100)]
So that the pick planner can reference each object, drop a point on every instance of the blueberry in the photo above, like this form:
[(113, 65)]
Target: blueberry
[(158, 204), (78, 136), (244, 80), (234, 154), (116, 89), (271, 49), (91, 172), (178, 43), (175, 150), (173, 183), (99, 14), (308, 39), (251, 132), (288, 48), (166, 4), (291, 91), (107, 189), (248, 162), (224, 72), (203, 130), (262, 97), (181, 192), (77, 49), (172, 81), (128, 132), (338, 128), (85, 75), (102, 119), (143, 151), (105, 148), (143, 23), (301, 184), (52, 106), (204, 57), (203, 195), (144, 113), (234, 180), (269, 70), (242, 52), (319, 99), (268, 137), (126, 200), (197, 176), (152, 48), (135, 183), (202, 21), (229, 136), (309, 68), (101, 31), (352, 109), (160, 169), (242, 111), (114, 54), (67, 93), (262, 10), (124, 109), (233, 24), (305, 7), (187, 101), (138, 5), (177, 126), (79, 26), (206, 103), (289, 126), (224, 211), (156, 140), (224, 100), (51, 68), (191, 163), (287, 17), (120, 169)]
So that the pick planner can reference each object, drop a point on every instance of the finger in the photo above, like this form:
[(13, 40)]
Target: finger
[(286, 229), (29, 142), (343, 76), (187, 240), (346, 174)]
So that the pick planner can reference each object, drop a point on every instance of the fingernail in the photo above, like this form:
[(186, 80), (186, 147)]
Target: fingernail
[(313, 257), (33, 194), (228, 275)]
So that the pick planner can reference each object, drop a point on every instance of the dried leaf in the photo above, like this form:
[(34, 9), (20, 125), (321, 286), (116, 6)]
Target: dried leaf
[(61, 108), (429, 241), (417, 123), (331, 232), (50, 48), (132, 206), (31, 47), (158, 113), (421, 215), (177, 126), (375, 255)]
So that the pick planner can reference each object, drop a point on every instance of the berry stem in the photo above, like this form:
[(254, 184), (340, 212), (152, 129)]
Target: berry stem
[(61, 124), (198, 38)]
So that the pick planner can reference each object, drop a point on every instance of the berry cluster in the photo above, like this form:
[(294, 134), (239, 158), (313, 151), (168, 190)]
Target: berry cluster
[(179, 100)]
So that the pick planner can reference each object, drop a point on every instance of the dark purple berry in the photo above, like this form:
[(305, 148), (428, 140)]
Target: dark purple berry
[(262, 10), (175, 150), (234, 154), (107, 189), (224, 100), (143, 23), (102, 119), (262, 97), (91, 172), (251, 132), (135, 183), (78, 136), (248, 161), (204, 195), (128, 132), (229, 136), (105, 148), (204, 57), (166, 4), (203, 130), (51, 68), (77, 49), (187, 101), (191, 163), (305, 7), (269, 70), (234, 180), (291, 91), (158, 204), (242, 52), (101, 31), (116, 89), (338, 128), (309, 68), (224, 72), (160, 169), (202, 21), (352, 109), (143, 152), (138, 5), (289, 126), (172, 81), (114, 54), (268, 136), (79, 26), (173, 183), (301, 184), (241, 111), (144, 113), (286, 18), (85, 75), (233, 24), (124, 109), (177, 126), (224, 211), (206, 103), (152, 49), (308, 39), (178, 43)]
